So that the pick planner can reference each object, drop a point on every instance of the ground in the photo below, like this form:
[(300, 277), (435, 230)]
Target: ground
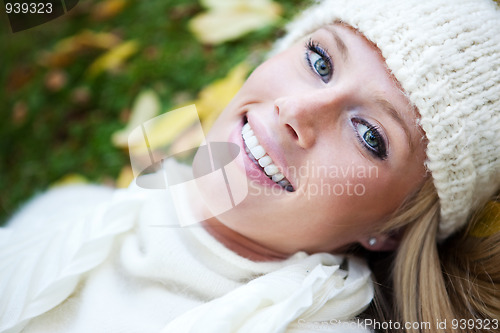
[(61, 100)]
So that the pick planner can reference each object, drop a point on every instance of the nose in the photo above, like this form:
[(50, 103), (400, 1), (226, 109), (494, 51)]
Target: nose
[(305, 115)]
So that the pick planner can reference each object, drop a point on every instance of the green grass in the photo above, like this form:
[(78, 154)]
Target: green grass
[(46, 134)]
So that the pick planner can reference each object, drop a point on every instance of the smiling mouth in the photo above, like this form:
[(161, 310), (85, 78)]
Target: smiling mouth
[(259, 156)]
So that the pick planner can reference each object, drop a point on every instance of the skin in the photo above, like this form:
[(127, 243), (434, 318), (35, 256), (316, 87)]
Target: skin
[(308, 122)]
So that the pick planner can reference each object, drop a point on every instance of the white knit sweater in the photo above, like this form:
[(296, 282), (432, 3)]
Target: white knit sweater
[(90, 259)]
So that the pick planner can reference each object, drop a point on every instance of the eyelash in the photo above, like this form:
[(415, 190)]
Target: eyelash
[(312, 46), (381, 153)]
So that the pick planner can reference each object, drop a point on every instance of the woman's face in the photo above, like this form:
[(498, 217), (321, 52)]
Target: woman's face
[(341, 135)]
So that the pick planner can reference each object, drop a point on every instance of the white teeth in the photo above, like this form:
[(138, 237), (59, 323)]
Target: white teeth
[(277, 177), (271, 169), (248, 134), (257, 152), (252, 142), (245, 128), (265, 161)]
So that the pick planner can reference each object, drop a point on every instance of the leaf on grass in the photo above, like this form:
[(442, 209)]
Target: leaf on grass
[(55, 80), (19, 113), (19, 77), (146, 106), (215, 97), (125, 177), (81, 95), (67, 50), (113, 59), (107, 9), (70, 179), (230, 19), (178, 131), (174, 128)]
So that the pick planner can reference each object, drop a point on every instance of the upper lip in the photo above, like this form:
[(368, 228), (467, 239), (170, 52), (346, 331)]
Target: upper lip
[(271, 146)]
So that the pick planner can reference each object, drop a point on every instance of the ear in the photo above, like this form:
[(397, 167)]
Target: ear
[(383, 242)]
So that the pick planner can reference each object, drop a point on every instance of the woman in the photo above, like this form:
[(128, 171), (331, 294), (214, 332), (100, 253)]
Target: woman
[(374, 124)]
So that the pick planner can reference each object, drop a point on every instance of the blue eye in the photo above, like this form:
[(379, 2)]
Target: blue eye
[(319, 64), (319, 61), (371, 138)]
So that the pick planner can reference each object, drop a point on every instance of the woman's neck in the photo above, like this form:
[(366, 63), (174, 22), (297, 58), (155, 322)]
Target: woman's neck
[(240, 244)]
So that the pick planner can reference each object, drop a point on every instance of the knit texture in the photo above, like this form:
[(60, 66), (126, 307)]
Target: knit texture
[(446, 56)]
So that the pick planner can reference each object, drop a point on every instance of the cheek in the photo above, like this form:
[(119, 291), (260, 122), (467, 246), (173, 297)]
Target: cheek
[(262, 84), (382, 196), (276, 77), (348, 191)]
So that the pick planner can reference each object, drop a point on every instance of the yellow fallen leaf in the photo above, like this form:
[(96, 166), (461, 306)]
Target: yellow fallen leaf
[(89, 39), (215, 97), (488, 221), (179, 130), (152, 141), (222, 4), (113, 59), (70, 179), (66, 51), (209, 104), (165, 129), (125, 177), (230, 19), (146, 106), (107, 9)]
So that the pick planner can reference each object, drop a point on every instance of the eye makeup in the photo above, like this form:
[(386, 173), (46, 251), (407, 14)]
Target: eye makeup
[(319, 60)]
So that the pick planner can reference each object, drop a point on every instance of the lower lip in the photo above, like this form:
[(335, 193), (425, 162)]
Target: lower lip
[(254, 172)]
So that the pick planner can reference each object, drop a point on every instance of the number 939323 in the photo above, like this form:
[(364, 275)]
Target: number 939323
[(28, 8)]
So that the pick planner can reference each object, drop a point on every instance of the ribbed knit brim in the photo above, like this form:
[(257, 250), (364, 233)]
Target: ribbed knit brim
[(446, 56)]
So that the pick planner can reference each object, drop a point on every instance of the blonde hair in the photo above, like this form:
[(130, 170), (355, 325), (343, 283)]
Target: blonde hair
[(457, 280)]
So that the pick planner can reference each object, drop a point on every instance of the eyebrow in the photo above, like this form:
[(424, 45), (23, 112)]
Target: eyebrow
[(344, 51), (387, 106), (381, 102)]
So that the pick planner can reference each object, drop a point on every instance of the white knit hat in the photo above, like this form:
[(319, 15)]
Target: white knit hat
[(446, 56)]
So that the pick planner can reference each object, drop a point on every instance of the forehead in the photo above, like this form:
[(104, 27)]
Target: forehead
[(350, 47)]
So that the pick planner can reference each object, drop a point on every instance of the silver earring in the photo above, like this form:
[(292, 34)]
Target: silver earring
[(372, 241)]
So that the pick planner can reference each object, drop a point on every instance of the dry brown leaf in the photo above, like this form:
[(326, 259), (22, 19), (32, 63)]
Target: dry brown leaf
[(81, 95), (55, 80), (66, 51), (107, 9), (19, 113), (19, 77)]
